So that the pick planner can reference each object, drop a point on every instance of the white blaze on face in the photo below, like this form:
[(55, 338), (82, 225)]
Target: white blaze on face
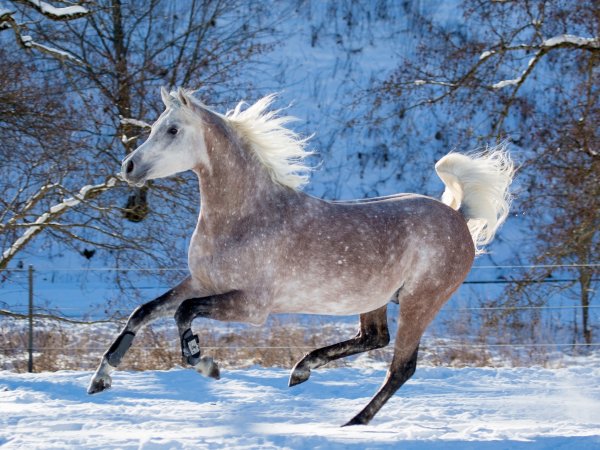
[(176, 144)]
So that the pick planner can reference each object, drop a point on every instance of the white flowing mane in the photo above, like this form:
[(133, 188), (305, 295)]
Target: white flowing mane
[(281, 150)]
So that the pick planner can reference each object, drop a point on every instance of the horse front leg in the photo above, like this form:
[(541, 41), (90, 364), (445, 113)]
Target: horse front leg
[(373, 333), (163, 306), (230, 307)]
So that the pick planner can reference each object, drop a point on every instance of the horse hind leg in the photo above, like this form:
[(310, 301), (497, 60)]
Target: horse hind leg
[(400, 371), (373, 333), (415, 315)]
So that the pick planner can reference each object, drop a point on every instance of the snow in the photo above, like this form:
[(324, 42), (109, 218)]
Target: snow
[(505, 83), (570, 39), (439, 408), (28, 42), (486, 54), (516, 81), (61, 54), (135, 122), (548, 43), (63, 12)]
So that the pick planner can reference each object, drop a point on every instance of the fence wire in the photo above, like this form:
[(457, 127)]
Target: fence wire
[(77, 315)]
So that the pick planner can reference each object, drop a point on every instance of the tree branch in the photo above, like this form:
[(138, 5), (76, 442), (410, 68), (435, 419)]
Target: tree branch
[(54, 13), (25, 41), (557, 42), (85, 193)]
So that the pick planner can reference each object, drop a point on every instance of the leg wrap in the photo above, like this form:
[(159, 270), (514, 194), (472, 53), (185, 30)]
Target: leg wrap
[(190, 347), (119, 348)]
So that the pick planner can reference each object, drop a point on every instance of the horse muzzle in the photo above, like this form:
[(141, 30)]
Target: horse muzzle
[(133, 172)]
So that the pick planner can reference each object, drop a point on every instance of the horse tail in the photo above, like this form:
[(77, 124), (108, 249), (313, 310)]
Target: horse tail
[(477, 185)]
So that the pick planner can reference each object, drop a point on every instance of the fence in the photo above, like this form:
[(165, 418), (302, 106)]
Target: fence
[(31, 284)]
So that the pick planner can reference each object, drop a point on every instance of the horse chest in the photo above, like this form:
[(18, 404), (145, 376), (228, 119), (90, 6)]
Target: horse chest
[(226, 262)]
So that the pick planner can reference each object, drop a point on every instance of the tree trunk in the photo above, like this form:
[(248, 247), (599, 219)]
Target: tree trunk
[(136, 208)]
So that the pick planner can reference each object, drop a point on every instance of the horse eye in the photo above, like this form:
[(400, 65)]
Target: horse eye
[(172, 130)]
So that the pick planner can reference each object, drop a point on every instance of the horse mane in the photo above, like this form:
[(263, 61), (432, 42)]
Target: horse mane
[(281, 150)]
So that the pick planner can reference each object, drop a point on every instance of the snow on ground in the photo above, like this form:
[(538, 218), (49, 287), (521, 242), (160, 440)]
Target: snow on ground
[(440, 408)]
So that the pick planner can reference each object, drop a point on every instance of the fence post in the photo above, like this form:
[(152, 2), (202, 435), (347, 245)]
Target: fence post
[(30, 345)]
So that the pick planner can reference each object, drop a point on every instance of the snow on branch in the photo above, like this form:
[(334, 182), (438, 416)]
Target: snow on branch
[(135, 122), (569, 40), (8, 21), (54, 13), (486, 54), (561, 41), (85, 193), (29, 204), (28, 42), (6, 15), (519, 80), (433, 82)]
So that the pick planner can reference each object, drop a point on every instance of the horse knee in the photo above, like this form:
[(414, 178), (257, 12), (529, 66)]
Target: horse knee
[(146, 313), (138, 317)]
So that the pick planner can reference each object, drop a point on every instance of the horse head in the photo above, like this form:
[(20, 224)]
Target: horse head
[(176, 142)]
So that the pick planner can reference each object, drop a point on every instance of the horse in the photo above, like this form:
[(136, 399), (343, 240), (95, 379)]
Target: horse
[(261, 246)]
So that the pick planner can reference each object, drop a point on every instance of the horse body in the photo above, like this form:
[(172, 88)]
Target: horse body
[(261, 246), (368, 251), (316, 257)]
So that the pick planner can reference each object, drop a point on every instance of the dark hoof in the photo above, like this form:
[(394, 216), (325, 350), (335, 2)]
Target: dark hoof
[(357, 420), (215, 372), (99, 385), (208, 367), (298, 375)]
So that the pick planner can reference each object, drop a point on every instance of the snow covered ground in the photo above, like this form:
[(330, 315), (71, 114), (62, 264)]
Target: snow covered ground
[(440, 408)]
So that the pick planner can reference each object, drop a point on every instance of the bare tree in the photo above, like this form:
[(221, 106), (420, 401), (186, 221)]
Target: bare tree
[(37, 128), (105, 66), (528, 72), (8, 21)]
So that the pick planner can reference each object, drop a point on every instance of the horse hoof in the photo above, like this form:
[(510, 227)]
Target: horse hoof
[(99, 384), (298, 375), (208, 367), (355, 421)]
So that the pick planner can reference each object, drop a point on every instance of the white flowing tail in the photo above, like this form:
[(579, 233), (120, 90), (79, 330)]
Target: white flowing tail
[(477, 185)]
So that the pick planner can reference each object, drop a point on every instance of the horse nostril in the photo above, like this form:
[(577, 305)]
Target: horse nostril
[(129, 167)]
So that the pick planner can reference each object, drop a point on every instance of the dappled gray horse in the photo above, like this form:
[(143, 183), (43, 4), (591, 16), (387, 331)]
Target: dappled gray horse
[(261, 246)]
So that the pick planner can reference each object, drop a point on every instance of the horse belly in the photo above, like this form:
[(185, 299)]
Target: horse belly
[(337, 297), (342, 270)]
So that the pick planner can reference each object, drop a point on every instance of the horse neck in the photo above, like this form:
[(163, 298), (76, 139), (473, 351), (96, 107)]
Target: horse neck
[(234, 184)]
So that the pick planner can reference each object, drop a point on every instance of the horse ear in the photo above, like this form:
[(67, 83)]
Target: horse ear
[(166, 97), (183, 98)]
